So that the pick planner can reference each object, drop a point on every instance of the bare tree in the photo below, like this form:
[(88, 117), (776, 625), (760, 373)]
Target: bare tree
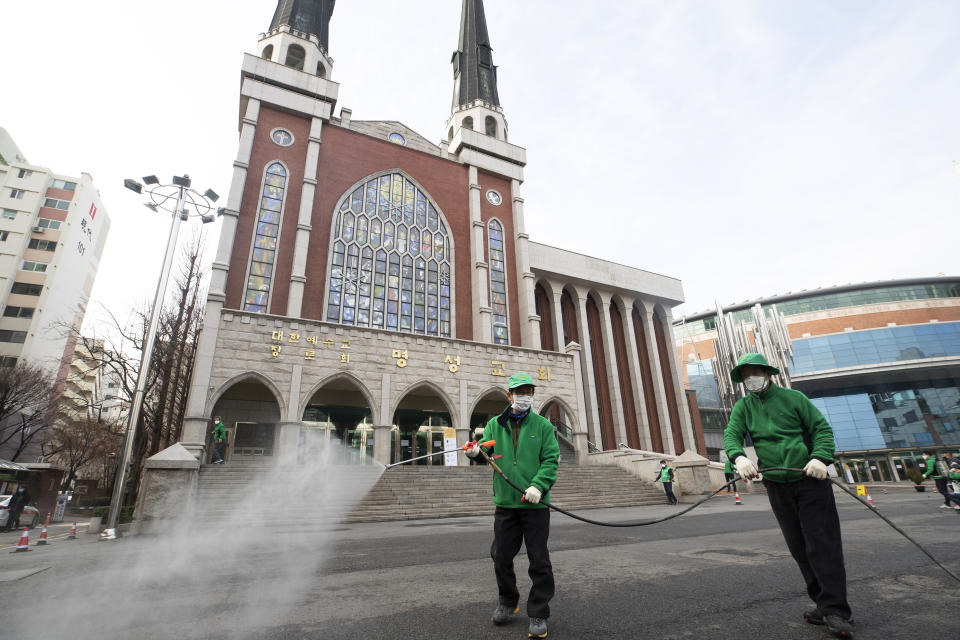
[(26, 397), (84, 443), (168, 380)]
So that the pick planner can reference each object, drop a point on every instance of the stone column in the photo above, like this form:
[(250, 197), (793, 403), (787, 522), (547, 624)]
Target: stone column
[(893, 468), (381, 433), (287, 443), (482, 311), (557, 291), (579, 429), (686, 424), (195, 421), (612, 372), (666, 433), (298, 277), (529, 319), (636, 376), (586, 363)]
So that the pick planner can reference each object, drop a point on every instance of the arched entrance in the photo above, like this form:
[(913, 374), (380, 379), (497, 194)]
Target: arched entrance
[(251, 413), (337, 424), (491, 404), (421, 425)]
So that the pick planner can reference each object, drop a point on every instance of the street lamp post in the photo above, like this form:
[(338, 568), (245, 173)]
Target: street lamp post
[(181, 202)]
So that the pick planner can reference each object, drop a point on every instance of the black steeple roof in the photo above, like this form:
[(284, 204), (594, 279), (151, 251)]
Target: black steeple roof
[(308, 16), (474, 75)]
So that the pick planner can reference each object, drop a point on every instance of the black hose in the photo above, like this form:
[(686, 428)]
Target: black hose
[(644, 523)]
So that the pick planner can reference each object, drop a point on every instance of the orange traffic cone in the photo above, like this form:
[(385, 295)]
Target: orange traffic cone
[(73, 532), (46, 522), (24, 541), (43, 536), (870, 500), (737, 500)]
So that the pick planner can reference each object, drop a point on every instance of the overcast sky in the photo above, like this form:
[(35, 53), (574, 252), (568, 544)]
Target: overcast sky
[(746, 148)]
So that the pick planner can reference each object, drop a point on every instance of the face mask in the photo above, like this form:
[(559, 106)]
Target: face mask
[(754, 383), (522, 403)]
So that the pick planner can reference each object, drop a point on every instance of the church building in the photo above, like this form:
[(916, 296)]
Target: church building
[(377, 288)]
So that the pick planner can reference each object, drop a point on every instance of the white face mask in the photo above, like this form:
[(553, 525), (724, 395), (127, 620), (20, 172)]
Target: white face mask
[(754, 383), (522, 403)]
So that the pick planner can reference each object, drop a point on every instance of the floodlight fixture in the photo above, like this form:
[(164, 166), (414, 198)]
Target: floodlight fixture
[(182, 181), (220, 211), (211, 195), (133, 185), (151, 180), (152, 206), (184, 215), (208, 217)]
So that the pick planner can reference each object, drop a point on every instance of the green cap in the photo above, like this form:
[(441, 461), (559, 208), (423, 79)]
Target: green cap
[(520, 379), (751, 359)]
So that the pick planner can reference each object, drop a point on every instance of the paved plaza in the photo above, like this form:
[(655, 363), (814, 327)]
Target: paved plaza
[(720, 572)]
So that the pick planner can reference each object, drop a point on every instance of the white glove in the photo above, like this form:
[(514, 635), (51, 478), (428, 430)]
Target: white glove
[(532, 495), (746, 468), (816, 469), (473, 451)]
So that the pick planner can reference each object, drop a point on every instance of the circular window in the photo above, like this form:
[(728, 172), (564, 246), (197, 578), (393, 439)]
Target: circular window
[(494, 197), (281, 137), (397, 138)]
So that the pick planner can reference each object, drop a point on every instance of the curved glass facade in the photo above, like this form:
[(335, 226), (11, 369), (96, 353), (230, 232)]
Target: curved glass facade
[(914, 414), (875, 346), (838, 300)]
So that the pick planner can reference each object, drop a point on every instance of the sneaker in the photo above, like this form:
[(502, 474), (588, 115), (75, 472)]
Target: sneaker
[(538, 628), (956, 508), (813, 616), (839, 627), (503, 613), (944, 506)]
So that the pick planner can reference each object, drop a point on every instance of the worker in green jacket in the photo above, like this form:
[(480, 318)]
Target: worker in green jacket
[(954, 476), (789, 431), (528, 453), (219, 440)]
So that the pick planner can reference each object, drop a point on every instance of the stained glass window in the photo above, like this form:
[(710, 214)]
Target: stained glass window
[(391, 260), (498, 283), (267, 230)]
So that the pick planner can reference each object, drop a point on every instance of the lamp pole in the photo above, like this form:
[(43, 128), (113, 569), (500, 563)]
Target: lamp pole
[(162, 196)]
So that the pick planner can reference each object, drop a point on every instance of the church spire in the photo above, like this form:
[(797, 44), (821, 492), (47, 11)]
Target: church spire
[(474, 75), (307, 16)]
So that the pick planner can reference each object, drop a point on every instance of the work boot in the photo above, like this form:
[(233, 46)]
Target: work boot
[(840, 627), (503, 613), (538, 628), (813, 616)]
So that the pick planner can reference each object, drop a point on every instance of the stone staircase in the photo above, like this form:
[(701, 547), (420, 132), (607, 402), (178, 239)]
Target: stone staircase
[(261, 493)]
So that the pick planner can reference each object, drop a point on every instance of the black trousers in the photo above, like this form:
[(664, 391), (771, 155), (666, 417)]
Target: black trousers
[(942, 488), (728, 477), (807, 514), (668, 490), (511, 527)]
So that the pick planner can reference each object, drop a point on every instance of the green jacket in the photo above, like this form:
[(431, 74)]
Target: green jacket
[(728, 467), (219, 431), (665, 474), (931, 470), (954, 475), (530, 457), (787, 431)]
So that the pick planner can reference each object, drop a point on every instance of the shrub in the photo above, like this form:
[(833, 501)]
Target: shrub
[(126, 513), (99, 501), (915, 476)]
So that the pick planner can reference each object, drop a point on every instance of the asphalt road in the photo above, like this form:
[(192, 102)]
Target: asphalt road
[(720, 572)]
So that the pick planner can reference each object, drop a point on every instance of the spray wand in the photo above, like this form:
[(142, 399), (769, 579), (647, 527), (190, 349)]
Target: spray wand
[(466, 447)]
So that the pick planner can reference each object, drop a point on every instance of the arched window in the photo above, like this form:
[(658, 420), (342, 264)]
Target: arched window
[(263, 257), (321, 72), (295, 57), (491, 124), (268, 52), (391, 260), (498, 282), (468, 123)]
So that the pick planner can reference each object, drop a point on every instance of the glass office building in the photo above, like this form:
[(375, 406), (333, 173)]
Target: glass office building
[(890, 391)]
